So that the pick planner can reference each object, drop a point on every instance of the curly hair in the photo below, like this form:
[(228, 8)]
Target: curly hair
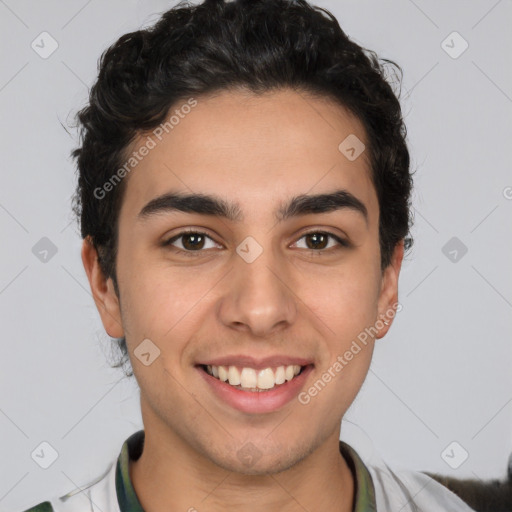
[(256, 45)]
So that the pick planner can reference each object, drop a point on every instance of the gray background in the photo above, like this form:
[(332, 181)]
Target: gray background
[(442, 374)]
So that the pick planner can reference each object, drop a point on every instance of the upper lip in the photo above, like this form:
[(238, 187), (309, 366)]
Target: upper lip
[(258, 364)]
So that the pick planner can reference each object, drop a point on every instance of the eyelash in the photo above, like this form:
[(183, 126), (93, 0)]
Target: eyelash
[(168, 243)]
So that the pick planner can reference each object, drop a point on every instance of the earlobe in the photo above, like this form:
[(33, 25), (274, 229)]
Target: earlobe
[(388, 298), (102, 290)]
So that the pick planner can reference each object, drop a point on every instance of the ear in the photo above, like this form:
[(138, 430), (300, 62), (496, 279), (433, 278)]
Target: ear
[(103, 291), (388, 297)]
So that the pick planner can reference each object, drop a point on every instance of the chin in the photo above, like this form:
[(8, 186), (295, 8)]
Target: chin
[(256, 458), (263, 467)]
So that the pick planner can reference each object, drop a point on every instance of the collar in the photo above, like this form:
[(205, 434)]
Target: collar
[(132, 450)]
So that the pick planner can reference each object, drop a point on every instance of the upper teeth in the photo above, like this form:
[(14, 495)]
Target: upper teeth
[(250, 378)]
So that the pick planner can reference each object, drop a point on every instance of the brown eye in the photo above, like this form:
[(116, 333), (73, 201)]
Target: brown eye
[(191, 242), (319, 240)]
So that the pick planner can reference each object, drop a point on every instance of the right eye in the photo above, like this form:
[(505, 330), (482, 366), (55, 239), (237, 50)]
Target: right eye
[(192, 242)]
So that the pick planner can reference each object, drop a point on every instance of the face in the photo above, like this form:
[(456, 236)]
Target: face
[(252, 278)]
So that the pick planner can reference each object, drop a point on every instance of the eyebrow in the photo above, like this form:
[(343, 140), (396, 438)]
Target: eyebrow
[(215, 206)]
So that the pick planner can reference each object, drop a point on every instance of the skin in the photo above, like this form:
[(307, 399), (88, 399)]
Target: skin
[(258, 151)]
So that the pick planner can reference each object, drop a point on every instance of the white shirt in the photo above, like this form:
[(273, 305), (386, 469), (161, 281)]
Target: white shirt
[(379, 488)]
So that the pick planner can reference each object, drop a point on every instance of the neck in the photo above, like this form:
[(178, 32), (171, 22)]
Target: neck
[(321, 481)]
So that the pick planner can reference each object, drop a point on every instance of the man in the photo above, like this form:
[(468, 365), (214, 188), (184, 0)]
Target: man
[(244, 193)]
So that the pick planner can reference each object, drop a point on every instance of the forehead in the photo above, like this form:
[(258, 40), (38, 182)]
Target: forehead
[(253, 150)]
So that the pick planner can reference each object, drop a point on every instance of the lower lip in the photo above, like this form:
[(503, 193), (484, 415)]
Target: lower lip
[(257, 402)]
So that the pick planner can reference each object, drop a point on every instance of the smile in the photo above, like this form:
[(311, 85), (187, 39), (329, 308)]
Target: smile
[(252, 380), (260, 390)]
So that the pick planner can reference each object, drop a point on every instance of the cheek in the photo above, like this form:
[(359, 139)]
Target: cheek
[(161, 303), (346, 306), (345, 300), (335, 386)]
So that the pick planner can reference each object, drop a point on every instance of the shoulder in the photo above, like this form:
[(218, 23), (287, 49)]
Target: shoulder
[(411, 491), (98, 495), (45, 506)]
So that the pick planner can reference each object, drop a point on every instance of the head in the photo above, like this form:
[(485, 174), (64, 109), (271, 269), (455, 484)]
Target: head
[(251, 109)]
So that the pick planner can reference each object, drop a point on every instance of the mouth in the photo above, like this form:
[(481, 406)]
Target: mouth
[(253, 380), (259, 390)]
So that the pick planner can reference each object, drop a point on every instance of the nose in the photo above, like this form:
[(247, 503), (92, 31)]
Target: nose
[(258, 299)]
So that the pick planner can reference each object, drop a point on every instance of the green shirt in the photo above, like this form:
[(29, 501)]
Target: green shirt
[(364, 497)]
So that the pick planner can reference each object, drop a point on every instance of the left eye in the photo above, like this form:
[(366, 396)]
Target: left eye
[(319, 239)]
